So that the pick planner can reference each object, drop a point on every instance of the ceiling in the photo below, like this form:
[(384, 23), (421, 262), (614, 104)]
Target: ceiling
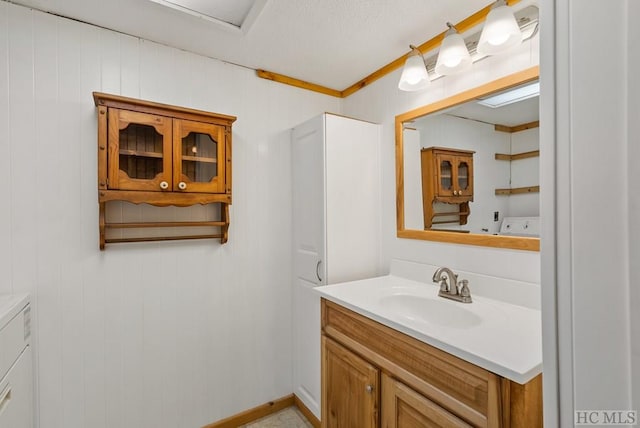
[(333, 43), (232, 12)]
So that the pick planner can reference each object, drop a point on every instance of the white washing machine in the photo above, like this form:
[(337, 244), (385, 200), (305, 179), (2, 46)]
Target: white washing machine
[(16, 371), (520, 226)]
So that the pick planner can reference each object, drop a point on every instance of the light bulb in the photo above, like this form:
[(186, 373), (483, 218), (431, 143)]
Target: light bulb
[(500, 32), (414, 75), (453, 57)]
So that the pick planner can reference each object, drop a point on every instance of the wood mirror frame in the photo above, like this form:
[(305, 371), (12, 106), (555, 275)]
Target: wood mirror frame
[(499, 241)]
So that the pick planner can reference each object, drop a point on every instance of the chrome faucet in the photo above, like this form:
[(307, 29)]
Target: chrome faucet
[(451, 288)]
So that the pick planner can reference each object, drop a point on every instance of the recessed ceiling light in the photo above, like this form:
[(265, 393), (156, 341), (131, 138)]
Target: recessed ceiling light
[(520, 93), (234, 15)]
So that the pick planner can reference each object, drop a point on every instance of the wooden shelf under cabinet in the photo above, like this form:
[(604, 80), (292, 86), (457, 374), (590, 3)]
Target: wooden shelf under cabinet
[(162, 155), (375, 376)]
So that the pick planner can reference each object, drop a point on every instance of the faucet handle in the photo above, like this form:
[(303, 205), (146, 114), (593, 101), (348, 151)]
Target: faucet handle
[(464, 289), (444, 286)]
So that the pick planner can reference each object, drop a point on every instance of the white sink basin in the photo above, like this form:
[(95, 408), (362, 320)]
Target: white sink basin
[(431, 311), (503, 338)]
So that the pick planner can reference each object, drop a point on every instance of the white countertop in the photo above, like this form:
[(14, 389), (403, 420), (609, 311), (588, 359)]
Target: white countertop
[(503, 338), (10, 305)]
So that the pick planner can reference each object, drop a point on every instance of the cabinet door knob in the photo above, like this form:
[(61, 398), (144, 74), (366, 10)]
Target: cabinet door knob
[(182, 185), (164, 185), (369, 389), (455, 192)]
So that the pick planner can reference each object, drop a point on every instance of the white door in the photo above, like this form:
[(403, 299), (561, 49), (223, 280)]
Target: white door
[(309, 268), (413, 212)]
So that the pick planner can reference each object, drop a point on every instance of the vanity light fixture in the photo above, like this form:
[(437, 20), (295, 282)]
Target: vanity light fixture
[(500, 32), (454, 56), (414, 75)]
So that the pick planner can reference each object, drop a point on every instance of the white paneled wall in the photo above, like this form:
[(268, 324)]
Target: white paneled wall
[(598, 216), (588, 316), (170, 334), (633, 154), (381, 102)]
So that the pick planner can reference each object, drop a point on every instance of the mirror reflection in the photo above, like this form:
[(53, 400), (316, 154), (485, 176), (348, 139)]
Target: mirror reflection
[(473, 169)]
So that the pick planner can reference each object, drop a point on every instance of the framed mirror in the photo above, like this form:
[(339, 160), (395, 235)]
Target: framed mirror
[(467, 167)]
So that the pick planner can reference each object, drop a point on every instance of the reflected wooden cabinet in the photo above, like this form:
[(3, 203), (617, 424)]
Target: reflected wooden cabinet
[(447, 176), (162, 155), (350, 388), (421, 386)]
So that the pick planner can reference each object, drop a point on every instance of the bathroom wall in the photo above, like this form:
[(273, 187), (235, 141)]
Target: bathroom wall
[(598, 203), (381, 102), (589, 304), (169, 334), (633, 130)]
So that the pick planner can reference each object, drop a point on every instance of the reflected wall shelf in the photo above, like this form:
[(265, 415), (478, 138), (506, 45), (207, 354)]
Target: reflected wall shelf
[(518, 190), (518, 156), (514, 157), (162, 155)]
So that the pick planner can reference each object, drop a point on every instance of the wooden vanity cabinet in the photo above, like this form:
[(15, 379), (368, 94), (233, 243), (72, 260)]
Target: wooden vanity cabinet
[(162, 155), (447, 176), (421, 386)]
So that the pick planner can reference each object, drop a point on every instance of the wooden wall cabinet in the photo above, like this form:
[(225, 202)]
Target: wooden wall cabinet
[(375, 376), (162, 155), (447, 176)]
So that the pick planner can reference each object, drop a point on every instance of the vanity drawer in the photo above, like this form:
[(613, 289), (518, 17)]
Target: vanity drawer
[(462, 388)]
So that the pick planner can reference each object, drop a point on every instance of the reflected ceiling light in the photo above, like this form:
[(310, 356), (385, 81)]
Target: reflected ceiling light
[(520, 93), (454, 56), (414, 75), (500, 32)]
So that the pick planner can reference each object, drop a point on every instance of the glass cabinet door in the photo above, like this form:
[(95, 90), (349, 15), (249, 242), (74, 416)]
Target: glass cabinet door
[(199, 157), (463, 176), (139, 155), (445, 175)]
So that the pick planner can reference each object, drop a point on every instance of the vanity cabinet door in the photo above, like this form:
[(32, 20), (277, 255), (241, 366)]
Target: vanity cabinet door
[(350, 388), (403, 407)]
